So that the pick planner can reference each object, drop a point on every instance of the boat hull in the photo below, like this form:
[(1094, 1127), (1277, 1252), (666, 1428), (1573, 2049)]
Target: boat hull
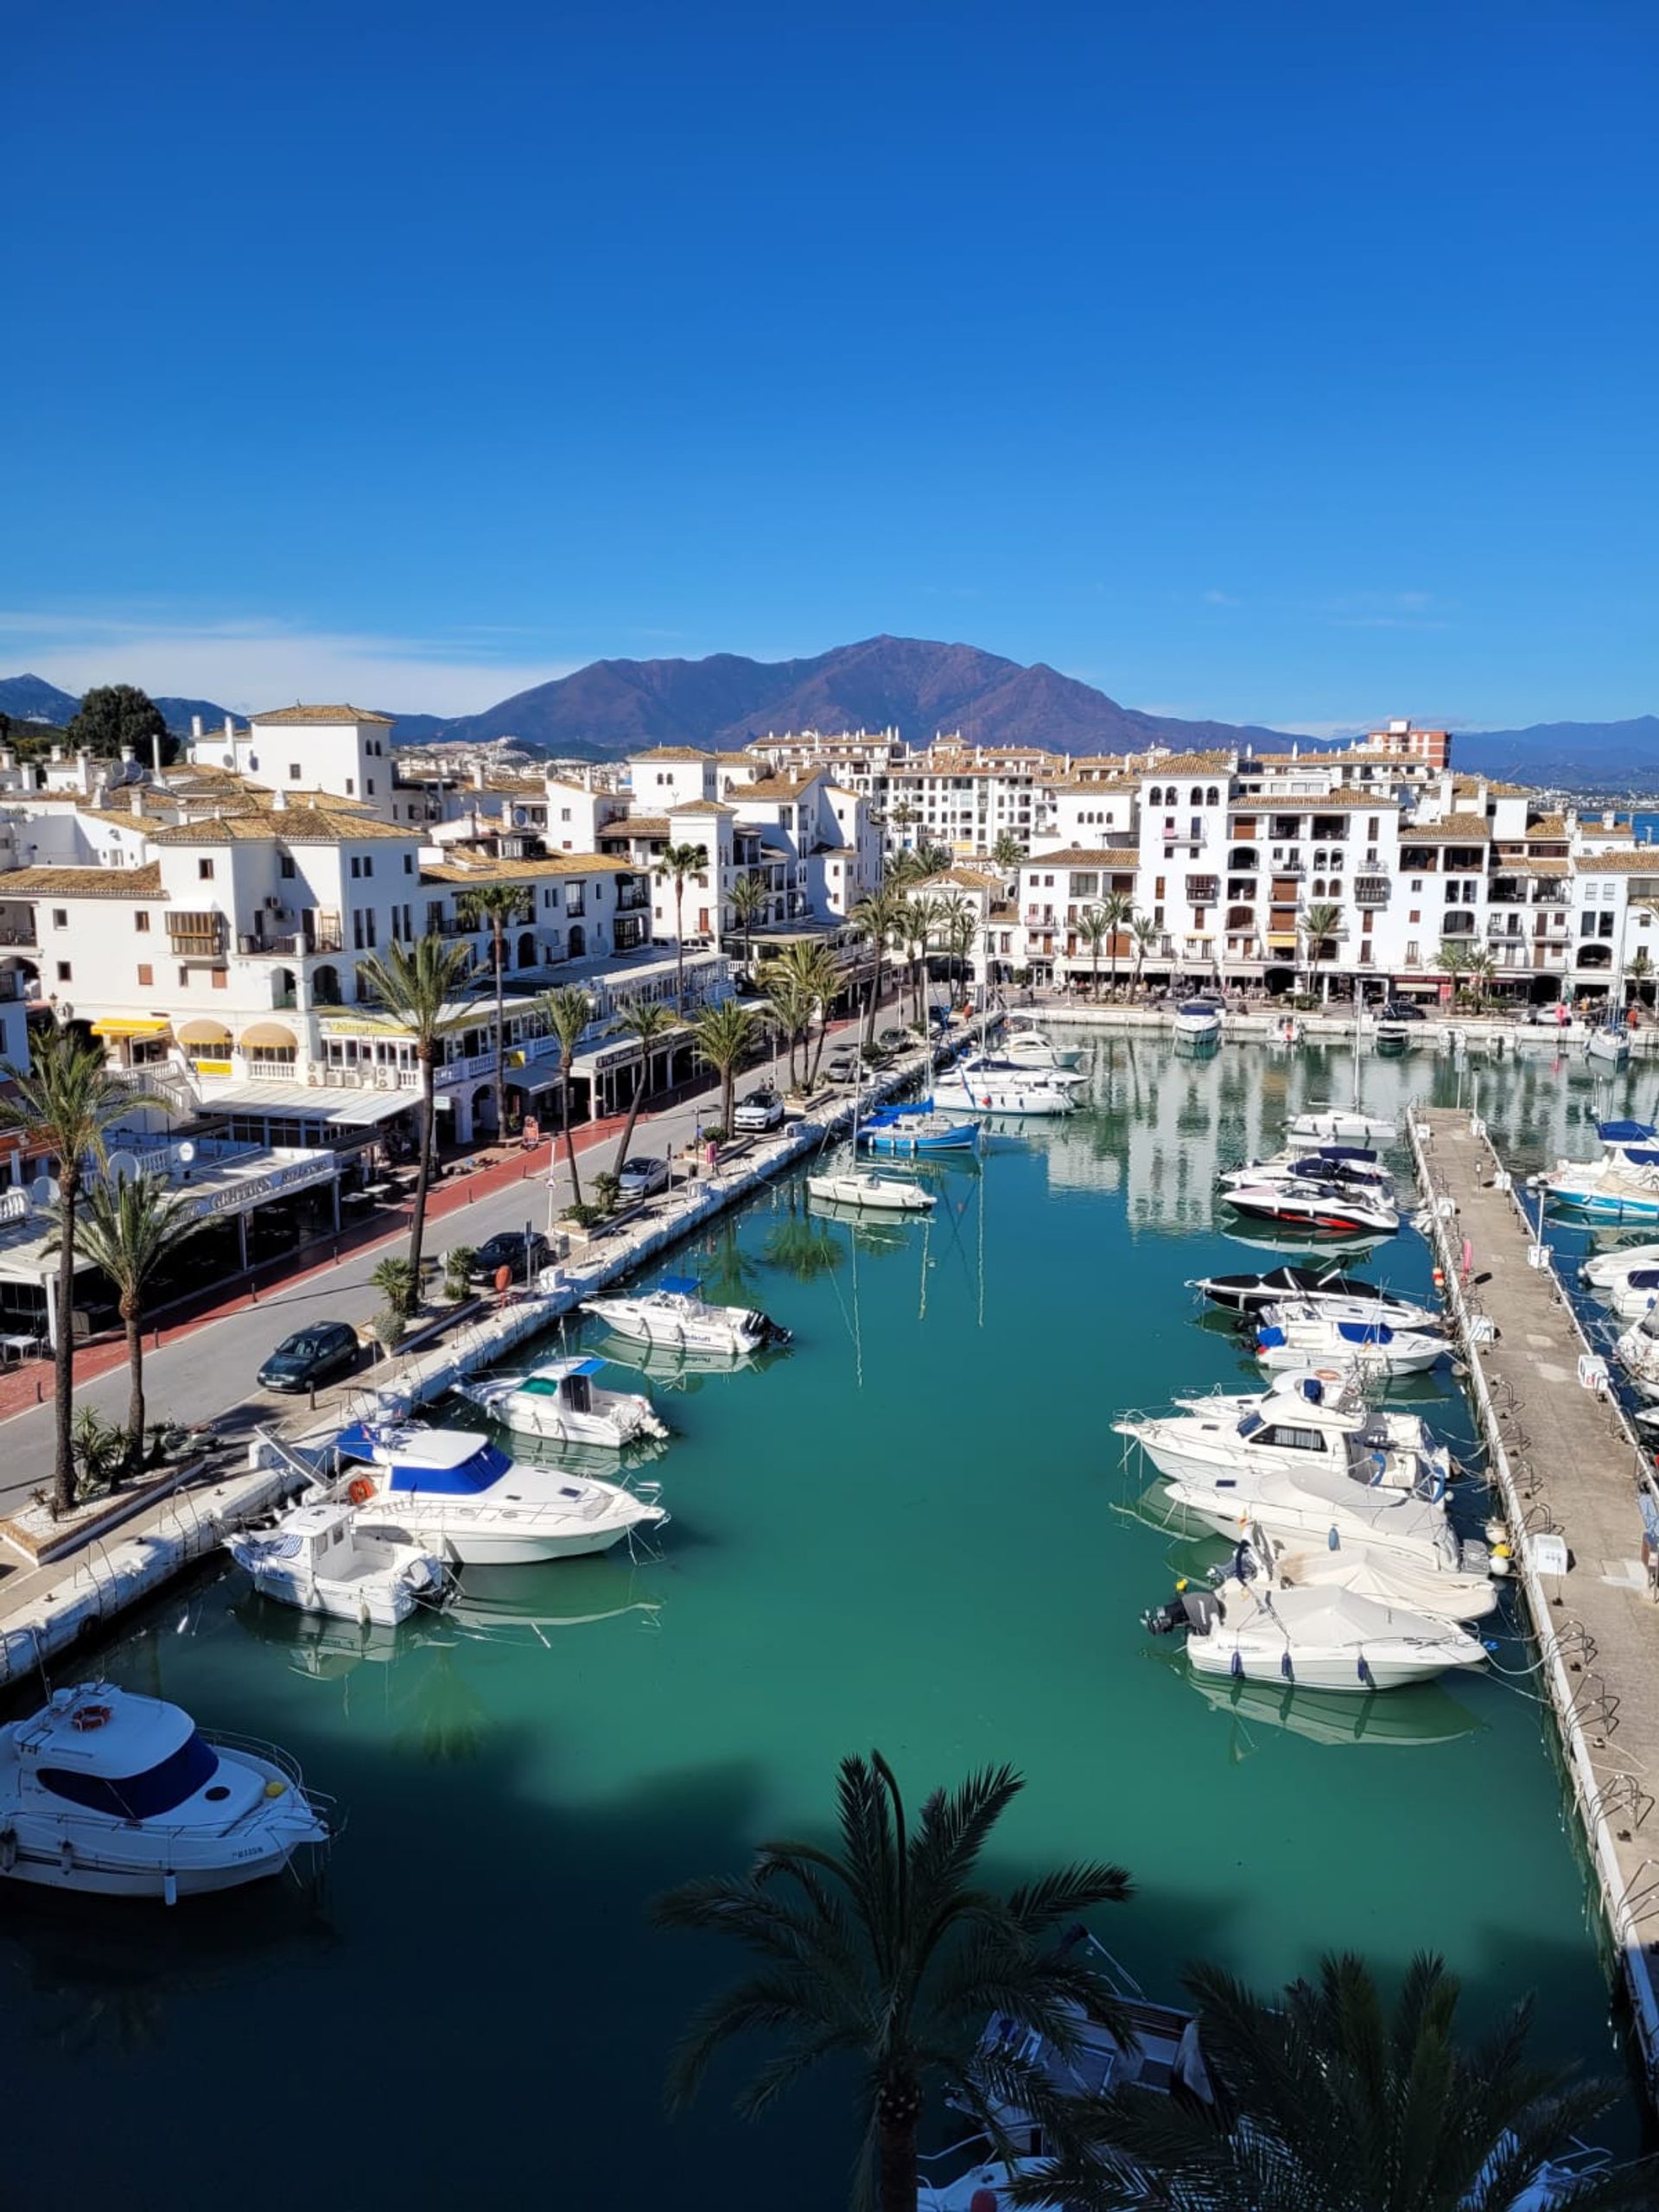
[(886, 1194), (380, 1604), (1381, 1666)]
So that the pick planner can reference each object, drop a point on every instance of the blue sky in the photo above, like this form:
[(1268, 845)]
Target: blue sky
[(1289, 363)]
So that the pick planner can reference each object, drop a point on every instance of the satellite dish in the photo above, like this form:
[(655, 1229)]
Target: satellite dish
[(43, 1190), (187, 1153), (122, 1167)]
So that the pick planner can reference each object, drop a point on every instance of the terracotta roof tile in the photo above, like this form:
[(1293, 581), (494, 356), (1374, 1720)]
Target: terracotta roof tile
[(294, 825), (325, 717), (84, 883)]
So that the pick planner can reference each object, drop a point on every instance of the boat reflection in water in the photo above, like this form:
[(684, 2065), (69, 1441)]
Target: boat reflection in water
[(668, 1364), (1411, 1718)]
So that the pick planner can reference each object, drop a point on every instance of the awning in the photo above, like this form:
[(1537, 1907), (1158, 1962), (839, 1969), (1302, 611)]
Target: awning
[(269, 1033), (137, 1027), (202, 1033), (1282, 937)]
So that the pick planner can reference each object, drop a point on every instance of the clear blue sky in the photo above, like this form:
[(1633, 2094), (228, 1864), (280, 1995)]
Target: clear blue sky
[(1290, 362)]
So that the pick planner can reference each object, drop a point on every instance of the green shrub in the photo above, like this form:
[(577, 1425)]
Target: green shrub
[(395, 1281), (390, 1329), (607, 1189), (583, 1217), (457, 1270)]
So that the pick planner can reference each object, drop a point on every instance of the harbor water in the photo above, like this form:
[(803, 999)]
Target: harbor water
[(914, 1530)]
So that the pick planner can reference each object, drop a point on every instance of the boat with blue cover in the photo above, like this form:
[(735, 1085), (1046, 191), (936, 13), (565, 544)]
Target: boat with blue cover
[(559, 1401), (1622, 1186), (1307, 1336), (914, 1132)]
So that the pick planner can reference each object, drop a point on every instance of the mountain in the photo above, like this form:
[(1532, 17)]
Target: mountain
[(1578, 756), (32, 699), (618, 706)]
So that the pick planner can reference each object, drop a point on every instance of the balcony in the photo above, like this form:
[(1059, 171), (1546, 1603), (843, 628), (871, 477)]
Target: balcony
[(1203, 890), (197, 937), (297, 945), (1370, 891)]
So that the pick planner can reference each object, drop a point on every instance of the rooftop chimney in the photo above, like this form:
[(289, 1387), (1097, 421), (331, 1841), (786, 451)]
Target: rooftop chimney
[(136, 798), (279, 801), (230, 729), (195, 727), (478, 775)]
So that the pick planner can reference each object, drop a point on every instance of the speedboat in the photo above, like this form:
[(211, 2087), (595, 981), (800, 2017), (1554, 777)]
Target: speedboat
[(1637, 1353), (1349, 1167), (1014, 1091), (1443, 1592), (1394, 1036), (557, 1402), (1304, 1336), (1335, 1506), (321, 1559), (1307, 1422), (863, 1186), (1322, 1638), (1314, 1286), (1198, 1019), (1330, 1125), (914, 1132), (1610, 1045), (1394, 1313), (105, 1790), (675, 1313), (1315, 1204), (453, 1490), (1633, 1292), (1601, 1189)]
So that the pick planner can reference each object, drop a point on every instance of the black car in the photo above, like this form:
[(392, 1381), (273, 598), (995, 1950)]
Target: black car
[(1402, 1010), (523, 1256), (311, 1356)]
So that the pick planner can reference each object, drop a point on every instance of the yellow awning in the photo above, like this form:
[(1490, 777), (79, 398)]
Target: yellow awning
[(268, 1033), (1281, 936), (202, 1033), (136, 1027)]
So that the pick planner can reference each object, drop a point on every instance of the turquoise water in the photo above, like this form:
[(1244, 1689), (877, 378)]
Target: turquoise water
[(914, 1531)]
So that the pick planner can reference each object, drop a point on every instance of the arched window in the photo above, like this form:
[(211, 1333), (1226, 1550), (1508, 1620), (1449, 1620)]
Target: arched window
[(578, 941), (1198, 795), (1212, 798), (527, 949), (1240, 917), (1155, 795)]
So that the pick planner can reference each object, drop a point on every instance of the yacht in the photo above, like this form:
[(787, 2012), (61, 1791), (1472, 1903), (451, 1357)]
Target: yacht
[(1305, 1336), (675, 1314), (1331, 1399), (1306, 1422), (453, 1490), (104, 1790), (1328, 1125), (557, 1402), (1334, 1505), (1320, 1639), (916, 1132), (319, 1557), (1623, 1186), (865, 1187), (1348, 1166), (980, 1090), (1198, 1019), (1315, 1204)]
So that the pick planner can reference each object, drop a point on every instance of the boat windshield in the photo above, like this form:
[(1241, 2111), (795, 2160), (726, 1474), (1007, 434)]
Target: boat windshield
[(138, 1796), (1251, 1424)]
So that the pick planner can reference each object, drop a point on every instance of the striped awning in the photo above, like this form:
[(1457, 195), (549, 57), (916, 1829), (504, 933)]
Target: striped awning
[(268, 1033), (199, 1032)]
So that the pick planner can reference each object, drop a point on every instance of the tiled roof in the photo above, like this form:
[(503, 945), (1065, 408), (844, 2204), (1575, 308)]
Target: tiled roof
[(776, 787), (636, 825), (699, 806), (1549, 826), (1453, 830), (84, 883), (1470, 786), (967, 879), (1195, 764), (1122, 857), (1645, 861), (482, 869), (126, 819), (672, 752), (295, 825), (326, 717)]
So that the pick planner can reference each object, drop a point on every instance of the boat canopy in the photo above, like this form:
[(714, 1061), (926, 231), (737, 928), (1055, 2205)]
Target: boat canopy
[(1365, 1333), (1626, 1132), (1270, 1339), (447, 1462), (679, 1286)]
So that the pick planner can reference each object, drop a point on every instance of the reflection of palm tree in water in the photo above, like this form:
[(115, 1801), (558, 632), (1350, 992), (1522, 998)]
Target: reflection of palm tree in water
[(727, 1273), (803, 1248), (446, 1720)]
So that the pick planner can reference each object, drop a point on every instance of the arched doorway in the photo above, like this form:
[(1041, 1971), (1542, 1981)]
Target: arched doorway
[(484, 1111), (325, 986), (578, 941), (527, 949)]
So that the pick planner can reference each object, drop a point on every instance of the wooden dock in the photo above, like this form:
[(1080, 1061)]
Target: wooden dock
[(1568, 1465)]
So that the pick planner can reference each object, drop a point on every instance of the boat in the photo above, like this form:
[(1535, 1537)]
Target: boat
[(1623, 1186), (321, 1558), (1334, 1506), (865, 1187), (1346, 1167), (1443, 1592), (1304, 1422), (1305, 1336), (1016, 1091), (1331, 1400), (674, 1312), (915, 1132), (1198, 1019), (557, 1401), (1605, 1270), (453, 1490), (1394, 1036), (1243, 1293), (1330, 1125), (1637, 1353), (1610, 1045), (1397, 1313), (1029, 1048), (1633, 1292), (107, 1791), (1315, 1204), (1320, 1639)]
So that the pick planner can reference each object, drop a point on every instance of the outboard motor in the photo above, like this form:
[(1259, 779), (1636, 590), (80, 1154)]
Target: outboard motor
[(1196, 1609), (767, 1330)]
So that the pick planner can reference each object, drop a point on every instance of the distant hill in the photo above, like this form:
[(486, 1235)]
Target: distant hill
[(1578, 756), (31, 698)]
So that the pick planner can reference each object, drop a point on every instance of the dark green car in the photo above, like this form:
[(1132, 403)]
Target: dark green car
[(311, 1356)]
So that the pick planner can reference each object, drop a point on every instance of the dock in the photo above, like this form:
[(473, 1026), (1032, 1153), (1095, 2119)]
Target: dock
[(1571, 1469)]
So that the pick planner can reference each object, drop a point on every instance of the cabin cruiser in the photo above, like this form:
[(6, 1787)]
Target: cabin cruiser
[(1313, 1421), (453, 1490), (1334, 1506), (1443, 1592), (104, 1790), (1632, 1294), (1030, 1048), (675, 1314), (320, 1558), (1331, 1398), (1315, 1204), (1321, 1639), (1307, 1336), (558, 1403), (980, 1090), (1198, 1019), (915, 1132), (1330, 1125), (863, 1186)]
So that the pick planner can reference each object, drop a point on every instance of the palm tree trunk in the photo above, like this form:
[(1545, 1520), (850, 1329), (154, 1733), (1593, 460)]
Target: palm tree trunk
[(1094, 969), (136, 1387), (876, 994), (500, 1042), (898, 2108), (634, 1104), (727, 1085), (428, 1116), (679, 947), (63, 1352), (569, 1143)]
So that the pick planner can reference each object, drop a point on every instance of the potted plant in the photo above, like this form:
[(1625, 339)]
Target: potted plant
[(457, 1273)]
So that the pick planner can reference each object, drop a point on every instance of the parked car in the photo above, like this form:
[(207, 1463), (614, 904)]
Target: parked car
[(1550, 1015), (1402, 1010), (761, 1110), (523, 1256), (842, 1065), (638, 1177), (894, 1040), (317, 1354)]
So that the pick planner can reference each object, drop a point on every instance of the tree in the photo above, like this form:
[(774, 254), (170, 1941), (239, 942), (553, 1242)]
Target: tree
[(647, 1021), (420, 985), (1118, 907), (61, 1104), (1482, 973), (131, 1227), (1452, 961), (1640, 970), (876, 920), (724, 1036), (1094, 929), (903, 817), (750, 899), (568, 1012), (1344, 2109), (1008, 852), (958, 926), (678, 862), (492, 907), (792, 1006), (1319, 924), (114, 715), (399, 1286), (1145, 933), (888, 1950), (917, 919)]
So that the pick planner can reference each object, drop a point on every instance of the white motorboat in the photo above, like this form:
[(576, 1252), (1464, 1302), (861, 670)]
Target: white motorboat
[(1198, 1019), (675, 1313), (1330, 1399), (1244, 1293), (557, 1402), (1637, 1353), (1309, 1335), (1633, 1294), (864, 1187), (1607, 1270), (1623, 1186), (1610, 1045), (1332, 1506), (1329, 1208), (1030, 1048), (1322, 1638), (1443, 1592), (1397, 1313), (1018, 1091), (321, 1559), (1320, 1424), (104, 1790), (456, 1492), (1332, 1125), (1349, 1166)]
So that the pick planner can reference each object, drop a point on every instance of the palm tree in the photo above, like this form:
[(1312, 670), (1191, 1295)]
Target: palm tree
[(876, 918), (1483, 972), (1118, 907), (750, 898), (958, 927), (419, 985), (567, 1012), (792, 1007), (647, 1021), (1145, 933), (887, 1949), (131, 1227), (1454, 961), (904, 816), (1346, 2110), (492, 907), (62, 1103), (1319, 924), (1094, 929), (724, 1036), (917, 921), (678, 862), (1008, 852)]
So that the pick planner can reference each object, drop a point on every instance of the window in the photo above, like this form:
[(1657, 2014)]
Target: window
[(285, 867), (184, 979), (1372, 831), (138, 1796), (1157, 888), (204, 871), (1415, 915), (293, 771), (350, 787), (64, 973), (368, 787), (146, 976), (409, 863), (220, 976)]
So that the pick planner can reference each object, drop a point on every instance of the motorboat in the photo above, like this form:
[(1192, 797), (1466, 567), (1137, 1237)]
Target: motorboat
[(916, 1132), (1610, 1045), (1321, 1639), (865, 1187), (1018, 1091), (1331, 1399), (1332, 1125), (557, 1402), (1607, 1270), (1304, 1336), (1244, 1294), (1623, 1186), (105, 1790), (1321, 1423), (1637, 1353), (320, 1558), (1352, 1166), (1394, 1036), (1315, 1204), (1394, 1313), (1030, 1048), (1443, 1592), (1632, 1294), (453, 1490), (1198, 1019), (675, 1313), (1335, 1506), (997, 1066)]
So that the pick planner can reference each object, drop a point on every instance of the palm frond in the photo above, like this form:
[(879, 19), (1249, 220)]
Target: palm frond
[(1068, 1893), (765, 2002)]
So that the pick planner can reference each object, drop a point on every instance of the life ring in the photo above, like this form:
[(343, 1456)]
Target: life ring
[(359, 1490), (87, 1717), (1327, 1375)]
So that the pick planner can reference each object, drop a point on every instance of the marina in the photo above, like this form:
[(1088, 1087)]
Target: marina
[(911, 1527)]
